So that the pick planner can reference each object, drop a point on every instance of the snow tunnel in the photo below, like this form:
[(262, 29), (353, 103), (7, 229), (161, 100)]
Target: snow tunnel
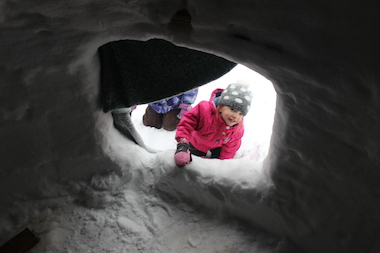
[(66, 174)]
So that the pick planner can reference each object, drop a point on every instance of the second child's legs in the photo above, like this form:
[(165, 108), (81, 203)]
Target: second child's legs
[(152, 118), (170, 120)]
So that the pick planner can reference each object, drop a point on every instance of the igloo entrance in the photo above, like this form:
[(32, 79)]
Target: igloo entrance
[(165, 70)]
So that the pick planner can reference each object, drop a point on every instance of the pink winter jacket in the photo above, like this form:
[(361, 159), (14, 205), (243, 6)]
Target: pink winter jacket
[(205, 130)]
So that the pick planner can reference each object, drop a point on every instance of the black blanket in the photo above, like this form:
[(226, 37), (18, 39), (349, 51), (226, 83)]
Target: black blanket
[(137, 72)]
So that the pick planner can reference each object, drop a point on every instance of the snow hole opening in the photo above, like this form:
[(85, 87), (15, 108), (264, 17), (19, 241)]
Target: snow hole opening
[(126, 92), (258, 122)]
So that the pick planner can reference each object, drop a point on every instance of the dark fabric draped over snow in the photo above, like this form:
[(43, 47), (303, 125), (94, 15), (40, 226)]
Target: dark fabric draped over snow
[(137, 72)]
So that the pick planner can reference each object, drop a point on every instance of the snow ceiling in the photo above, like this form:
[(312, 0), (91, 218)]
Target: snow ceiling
[(319, 185)]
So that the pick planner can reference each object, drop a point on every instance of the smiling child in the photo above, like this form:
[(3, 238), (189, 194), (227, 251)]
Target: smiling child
[(214, 128)]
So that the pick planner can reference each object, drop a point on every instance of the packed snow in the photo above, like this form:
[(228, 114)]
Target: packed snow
[(81, 186)]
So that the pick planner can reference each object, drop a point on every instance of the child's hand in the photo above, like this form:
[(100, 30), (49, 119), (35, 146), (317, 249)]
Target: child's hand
[(182, 155)]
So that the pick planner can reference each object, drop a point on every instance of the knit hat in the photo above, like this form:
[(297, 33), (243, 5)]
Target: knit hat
[(237, 96)]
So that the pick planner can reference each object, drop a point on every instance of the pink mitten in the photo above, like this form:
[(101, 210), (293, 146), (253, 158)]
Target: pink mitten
[(182, 155)]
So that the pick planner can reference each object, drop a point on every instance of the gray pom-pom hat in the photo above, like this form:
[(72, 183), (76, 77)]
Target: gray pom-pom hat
[(237, 96)]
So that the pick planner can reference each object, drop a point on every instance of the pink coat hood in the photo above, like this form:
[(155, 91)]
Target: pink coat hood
[(203, 127)]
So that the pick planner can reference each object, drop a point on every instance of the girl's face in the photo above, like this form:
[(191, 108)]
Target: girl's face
[(230, 115)]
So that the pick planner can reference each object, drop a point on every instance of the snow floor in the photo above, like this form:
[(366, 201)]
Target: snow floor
[(129, 222)]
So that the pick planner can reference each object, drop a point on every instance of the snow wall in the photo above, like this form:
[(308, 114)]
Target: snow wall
[(322, 57)]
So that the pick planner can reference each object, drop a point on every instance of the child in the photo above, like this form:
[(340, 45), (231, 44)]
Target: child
[(213, 128)]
